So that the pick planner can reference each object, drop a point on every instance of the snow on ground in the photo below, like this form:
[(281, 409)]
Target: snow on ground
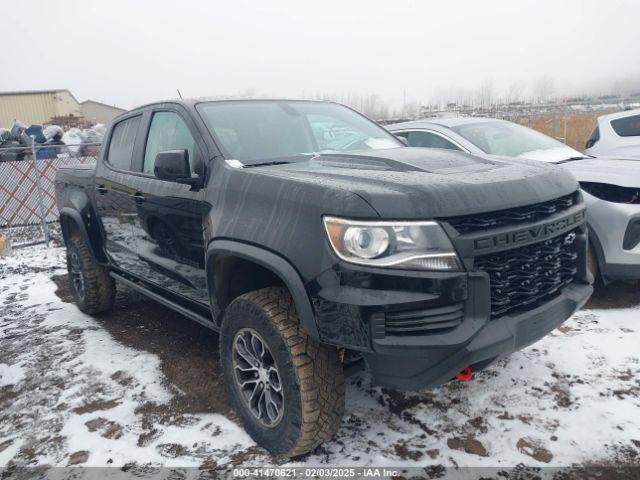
[(141, 386)]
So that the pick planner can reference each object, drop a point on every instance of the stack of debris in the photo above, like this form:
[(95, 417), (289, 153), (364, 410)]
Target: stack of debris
[(18, 142)]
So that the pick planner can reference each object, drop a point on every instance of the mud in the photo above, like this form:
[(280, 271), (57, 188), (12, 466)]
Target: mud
[(459, 422)]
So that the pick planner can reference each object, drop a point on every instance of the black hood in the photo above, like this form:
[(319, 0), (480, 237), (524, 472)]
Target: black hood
[(424, 183)]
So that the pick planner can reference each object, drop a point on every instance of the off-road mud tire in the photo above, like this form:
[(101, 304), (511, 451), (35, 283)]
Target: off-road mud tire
[(311, 374), (99, 287)]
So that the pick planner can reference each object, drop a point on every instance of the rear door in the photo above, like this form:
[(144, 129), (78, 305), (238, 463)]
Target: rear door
[(114, 191), (169, 230)]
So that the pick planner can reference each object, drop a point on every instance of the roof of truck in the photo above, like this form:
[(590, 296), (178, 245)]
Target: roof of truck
[(194, 101)]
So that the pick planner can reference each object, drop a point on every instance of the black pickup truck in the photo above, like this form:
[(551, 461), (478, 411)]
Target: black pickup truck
[(316, 243)]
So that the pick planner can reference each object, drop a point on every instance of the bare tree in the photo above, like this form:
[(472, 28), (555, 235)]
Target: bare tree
[(515, 92), (623, 87), (370, 105), (544, 89), (486, 93)]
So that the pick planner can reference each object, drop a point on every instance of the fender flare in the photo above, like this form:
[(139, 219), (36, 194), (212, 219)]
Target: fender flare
[(68, 214), (276, 264)]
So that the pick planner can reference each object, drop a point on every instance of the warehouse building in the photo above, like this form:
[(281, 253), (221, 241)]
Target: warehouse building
[(42, 107), (96, 112), (37, 107)]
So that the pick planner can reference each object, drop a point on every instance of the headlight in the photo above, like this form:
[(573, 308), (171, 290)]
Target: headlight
[(407, 245)]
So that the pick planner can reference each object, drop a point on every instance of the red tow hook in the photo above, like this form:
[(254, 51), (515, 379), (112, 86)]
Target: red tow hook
[(465, 375)]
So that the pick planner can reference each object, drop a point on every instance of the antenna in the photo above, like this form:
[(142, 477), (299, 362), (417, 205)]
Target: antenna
[(179, 94)]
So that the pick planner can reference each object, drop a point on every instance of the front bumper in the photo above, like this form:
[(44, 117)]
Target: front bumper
[(497, 339), (608, 224), (355, 306)]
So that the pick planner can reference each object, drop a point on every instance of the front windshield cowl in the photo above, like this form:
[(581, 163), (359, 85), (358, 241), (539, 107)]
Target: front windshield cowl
[(259, 132)]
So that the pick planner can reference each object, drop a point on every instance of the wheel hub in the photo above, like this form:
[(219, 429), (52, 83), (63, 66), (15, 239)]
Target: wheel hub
[(257, 377), (77, 275)]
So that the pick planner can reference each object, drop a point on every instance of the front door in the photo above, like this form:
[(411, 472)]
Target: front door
[(168, 231), (114, 192)]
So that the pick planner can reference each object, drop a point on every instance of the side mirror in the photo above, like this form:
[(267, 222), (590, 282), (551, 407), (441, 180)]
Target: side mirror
[(403, 140), (172, 165)]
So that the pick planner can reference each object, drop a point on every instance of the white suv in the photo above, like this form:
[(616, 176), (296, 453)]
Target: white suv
[(616, 134)]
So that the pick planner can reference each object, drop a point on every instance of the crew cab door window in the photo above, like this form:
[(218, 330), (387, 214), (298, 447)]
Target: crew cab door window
[(123, 140), (168, 131), (169, 230), (429, 140), (114, 191)]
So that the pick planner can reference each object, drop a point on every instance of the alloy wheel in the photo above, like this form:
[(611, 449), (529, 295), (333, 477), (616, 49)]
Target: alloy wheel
[(77, 275), (257, 377)]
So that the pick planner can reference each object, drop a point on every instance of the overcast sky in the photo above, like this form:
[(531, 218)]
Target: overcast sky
[(132, 52)]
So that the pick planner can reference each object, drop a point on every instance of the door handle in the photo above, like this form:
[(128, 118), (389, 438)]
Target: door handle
[(101, 189), (138, 198)]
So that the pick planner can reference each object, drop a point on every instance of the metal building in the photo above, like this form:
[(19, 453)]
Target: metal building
[(37, 107), (97, 112)]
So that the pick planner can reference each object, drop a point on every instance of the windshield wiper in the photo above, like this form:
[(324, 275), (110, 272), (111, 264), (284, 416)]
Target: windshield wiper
[(265, 164), (572, 159)]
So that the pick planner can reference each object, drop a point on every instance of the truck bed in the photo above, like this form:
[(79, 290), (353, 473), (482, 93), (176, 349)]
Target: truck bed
[(80, 175)]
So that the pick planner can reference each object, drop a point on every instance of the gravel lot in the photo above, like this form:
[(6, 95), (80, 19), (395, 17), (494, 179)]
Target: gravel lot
[(140, 387)]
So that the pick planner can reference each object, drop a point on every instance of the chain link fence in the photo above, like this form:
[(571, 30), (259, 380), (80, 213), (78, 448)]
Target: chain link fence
[(28, 210)]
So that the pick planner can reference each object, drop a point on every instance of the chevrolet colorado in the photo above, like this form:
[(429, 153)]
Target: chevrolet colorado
[(315, 243)]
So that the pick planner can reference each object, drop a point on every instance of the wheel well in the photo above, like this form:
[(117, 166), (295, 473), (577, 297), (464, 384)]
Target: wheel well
[(234, 276), (71, 224), (68, 227)]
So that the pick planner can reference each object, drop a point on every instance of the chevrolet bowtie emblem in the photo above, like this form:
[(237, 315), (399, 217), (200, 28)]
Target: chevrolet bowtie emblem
[(569, 239)]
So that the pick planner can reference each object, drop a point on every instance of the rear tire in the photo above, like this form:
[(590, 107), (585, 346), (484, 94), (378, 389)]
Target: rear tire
[(301, 379), (94, 291)]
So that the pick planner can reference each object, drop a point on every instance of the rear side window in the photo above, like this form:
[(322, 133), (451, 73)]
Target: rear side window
[(627, 127), (123, 140), (429, 140)]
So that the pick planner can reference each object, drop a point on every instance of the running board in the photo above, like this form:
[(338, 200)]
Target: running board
[(167, 303)]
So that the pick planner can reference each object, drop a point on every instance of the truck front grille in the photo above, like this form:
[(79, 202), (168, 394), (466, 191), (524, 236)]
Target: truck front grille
[(425, 321), (524, 277), (512, 216)]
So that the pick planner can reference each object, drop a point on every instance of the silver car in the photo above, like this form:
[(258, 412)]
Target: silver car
[(611, 187)]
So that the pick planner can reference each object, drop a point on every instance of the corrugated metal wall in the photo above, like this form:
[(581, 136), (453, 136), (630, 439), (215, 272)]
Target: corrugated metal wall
[(98, 113), (36, 108)]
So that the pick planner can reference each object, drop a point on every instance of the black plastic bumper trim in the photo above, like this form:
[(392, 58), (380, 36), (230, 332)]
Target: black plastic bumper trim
[(497, 339)]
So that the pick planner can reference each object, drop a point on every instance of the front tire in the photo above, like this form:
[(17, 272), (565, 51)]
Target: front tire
[(94, 291), (287, 388)]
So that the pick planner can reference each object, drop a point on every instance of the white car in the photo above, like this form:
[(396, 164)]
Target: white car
[(616, 134), (610, 186)]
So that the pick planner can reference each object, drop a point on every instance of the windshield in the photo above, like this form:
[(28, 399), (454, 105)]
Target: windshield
[(513, 140), (263, 131)]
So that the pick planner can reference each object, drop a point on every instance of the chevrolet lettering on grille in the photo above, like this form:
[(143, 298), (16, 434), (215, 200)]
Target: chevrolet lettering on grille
[(529, 234)]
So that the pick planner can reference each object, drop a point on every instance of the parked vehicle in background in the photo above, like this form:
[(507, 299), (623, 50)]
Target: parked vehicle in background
[(617, 134), (316, 243), (611, 187)]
